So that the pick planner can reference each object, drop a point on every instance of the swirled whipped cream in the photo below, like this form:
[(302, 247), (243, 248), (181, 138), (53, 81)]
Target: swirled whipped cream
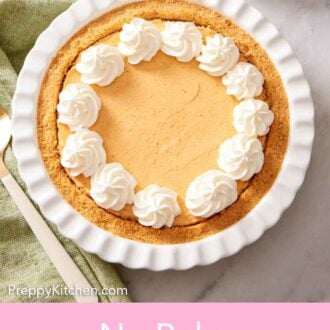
[(241, 157), (243, 81), (83, 153), (140, 40), (112, 187), (210, 193), (219, 55), (78, 107), (156, 206), (100, 64), (182, 40), (253, 117)]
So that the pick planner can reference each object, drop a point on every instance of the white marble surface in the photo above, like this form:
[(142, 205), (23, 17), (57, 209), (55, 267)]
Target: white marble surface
[(291, 262)]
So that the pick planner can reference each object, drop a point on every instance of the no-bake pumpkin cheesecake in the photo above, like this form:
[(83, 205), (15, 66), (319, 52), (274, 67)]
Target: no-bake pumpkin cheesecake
[(162, 121)]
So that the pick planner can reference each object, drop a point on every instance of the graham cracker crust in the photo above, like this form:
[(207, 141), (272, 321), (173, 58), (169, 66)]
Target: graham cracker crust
[(274, 94)]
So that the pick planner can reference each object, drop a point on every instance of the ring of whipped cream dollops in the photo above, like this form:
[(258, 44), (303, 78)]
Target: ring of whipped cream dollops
[(112, 187)]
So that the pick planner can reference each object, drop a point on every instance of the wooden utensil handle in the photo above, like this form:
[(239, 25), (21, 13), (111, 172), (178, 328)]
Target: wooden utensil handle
[(68, 270)]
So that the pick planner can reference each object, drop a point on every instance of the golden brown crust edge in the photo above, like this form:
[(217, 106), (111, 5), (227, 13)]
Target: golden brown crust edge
[(111, 22)]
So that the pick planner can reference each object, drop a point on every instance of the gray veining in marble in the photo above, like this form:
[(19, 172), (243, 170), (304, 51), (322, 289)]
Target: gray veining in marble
[(291, 262)]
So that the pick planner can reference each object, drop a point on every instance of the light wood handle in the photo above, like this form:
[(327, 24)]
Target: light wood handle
[(66, 267)]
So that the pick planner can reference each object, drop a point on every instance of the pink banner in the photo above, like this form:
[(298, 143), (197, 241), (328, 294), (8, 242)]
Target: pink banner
[(164, 316)]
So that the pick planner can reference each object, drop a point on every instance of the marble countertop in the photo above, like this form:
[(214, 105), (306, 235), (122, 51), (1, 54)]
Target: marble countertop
[(291, 262)]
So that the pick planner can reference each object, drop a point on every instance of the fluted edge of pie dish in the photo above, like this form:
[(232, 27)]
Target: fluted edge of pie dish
[(134, 254)]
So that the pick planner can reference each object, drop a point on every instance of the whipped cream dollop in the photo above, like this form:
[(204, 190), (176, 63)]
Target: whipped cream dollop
[(112, 187), (156, 206), (100, 64), (140, 40), (182, 40), (210, 193), (83, 153), (78, 106), (219, 55), (241, 157), (243, 81), (253, 117)]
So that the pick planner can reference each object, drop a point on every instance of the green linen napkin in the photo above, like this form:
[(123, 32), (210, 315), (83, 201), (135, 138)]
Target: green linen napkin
[(23, 262)]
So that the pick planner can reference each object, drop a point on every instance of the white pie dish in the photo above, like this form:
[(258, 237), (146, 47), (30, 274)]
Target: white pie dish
[(135, 254)]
